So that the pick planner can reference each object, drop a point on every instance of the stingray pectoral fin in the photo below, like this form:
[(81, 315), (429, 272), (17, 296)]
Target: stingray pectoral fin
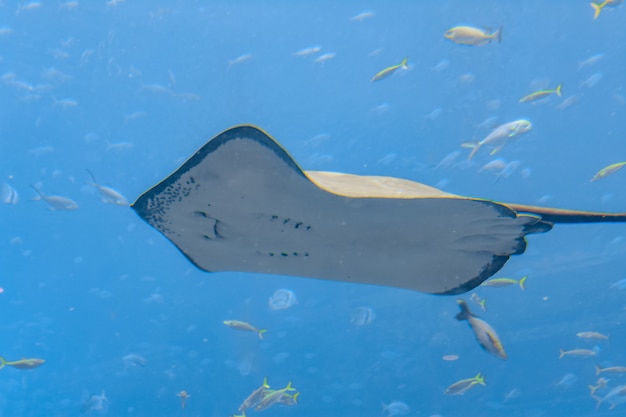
[(241, 203), (556, 215)]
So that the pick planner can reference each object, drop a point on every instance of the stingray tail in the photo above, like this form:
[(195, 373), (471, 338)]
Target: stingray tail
[(555, 215)]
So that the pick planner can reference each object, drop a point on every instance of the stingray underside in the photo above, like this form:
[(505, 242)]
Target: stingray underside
[(241, 203)]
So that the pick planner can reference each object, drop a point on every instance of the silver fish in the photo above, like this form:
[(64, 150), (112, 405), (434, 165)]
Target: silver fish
[(56, 202)]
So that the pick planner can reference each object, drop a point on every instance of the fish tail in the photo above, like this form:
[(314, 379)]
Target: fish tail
[(404, 63), (558, 90), (498, 34), (592, 389), (289, 387), (480, 379), (474, 150), (598, 371), (522, 282), (599, 401), (295, 397), (561, 353), (2, 362), (265, 383), (465, 313), (597, 8), (260, 333)]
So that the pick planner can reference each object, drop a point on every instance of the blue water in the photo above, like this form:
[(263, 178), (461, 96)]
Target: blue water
[(130, 90)]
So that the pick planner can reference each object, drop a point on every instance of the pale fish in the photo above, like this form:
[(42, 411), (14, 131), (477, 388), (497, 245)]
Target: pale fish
[(611, 369), (600, 384), (8, 194), (107, 194), (501, 135), (56, 202), (467, 35), (462, 386), (582, 353), (485, 334), (366, 14), (396, 408), (240, 59), (308, 51), (615, 397), (325, 57), (592, 335)]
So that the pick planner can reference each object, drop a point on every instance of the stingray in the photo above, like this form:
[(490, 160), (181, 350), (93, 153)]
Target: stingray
[(242, 203)]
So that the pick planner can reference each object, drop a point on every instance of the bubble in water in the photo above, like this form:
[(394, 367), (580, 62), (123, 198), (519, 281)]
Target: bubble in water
[(282, 299), (362, 316)]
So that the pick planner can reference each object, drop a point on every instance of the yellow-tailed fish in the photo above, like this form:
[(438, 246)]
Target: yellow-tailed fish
[(597, 7), (467, 35), (244, 326), (29, 363), (500, 136), (482, 302), (583, 353), (541, 94), (273, 397), (592, 335), (505, 282), (390, 70), (289, 399), (254, 397), (485, 334), (611, 369), (461, 387), (608, 170)]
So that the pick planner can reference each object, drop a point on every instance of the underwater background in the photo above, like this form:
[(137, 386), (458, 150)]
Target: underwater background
[(127, 90)]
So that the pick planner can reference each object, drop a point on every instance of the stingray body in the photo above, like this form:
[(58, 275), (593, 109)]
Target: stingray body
[(241, 203)]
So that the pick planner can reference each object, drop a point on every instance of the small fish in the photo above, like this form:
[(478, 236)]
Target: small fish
[(308, 51), (462, 386), (608, 170), (390, 70), (396, 408), (597, 7), (495, 165), (592, 335), (541, 94), (254, 398), (615, 397), (362, 16), (242, 325), (467, 35), (485, 334), (325, 57), (600, 384), (183, 398), (65, 102), (97, 403), (107, 194), (591, 60), (611, 369), (592, 80), (8, 194), (500, 136), (240, 59), (29, 363), (272, 397), (583, 353), (482, 302), (505, 282), (56, 202)]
